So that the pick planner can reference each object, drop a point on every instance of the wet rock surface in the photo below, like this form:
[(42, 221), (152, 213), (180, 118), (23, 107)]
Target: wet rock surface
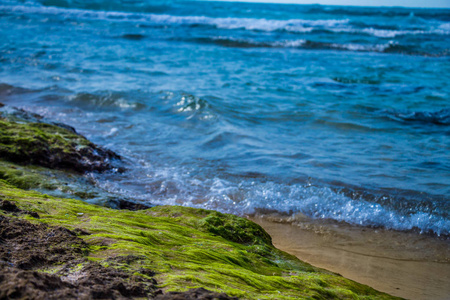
[(28, 253), (25, 139), (19, 284), (200, 293), (28, 246), (118, 203), (92, 282), (12, 208)]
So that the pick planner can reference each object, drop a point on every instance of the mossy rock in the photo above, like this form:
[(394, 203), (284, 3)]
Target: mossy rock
[(236, 229), (188, 248), (24, 177), (51, 146)]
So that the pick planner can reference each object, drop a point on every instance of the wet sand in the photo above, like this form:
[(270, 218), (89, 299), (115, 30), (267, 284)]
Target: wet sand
[(403, 264)]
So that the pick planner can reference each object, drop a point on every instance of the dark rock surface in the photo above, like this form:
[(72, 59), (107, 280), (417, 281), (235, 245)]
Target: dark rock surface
[(28, 246), (200, 293), (26, 249), (118, 203), (25, 139)]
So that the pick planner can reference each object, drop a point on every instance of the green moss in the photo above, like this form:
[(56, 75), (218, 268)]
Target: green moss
[(50, 146), (56, 182), (190, 248), (235, 229), (21, 140), (24, 178)]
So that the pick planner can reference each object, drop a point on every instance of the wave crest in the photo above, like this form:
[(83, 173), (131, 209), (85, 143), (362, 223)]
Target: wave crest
[(441, 117), (343, 25), (250, 197), (106, 99), (390, 47)]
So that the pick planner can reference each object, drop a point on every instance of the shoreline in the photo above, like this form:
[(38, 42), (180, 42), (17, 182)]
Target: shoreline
[(402, 264), (332, 246), (160, 252)]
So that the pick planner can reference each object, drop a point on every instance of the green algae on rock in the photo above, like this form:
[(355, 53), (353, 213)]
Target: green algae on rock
[(51, 146), (26, 178), (186, 248), (58, 183)]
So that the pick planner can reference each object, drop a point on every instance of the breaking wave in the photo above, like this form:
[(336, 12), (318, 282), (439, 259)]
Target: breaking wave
[(251, 24), (390, 47)]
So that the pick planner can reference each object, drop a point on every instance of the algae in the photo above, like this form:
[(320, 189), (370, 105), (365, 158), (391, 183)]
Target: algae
[(60, 184), (188, 248), (51, 146), (25, 177)]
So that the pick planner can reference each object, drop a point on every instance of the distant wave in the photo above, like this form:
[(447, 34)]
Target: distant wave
[(298, 25), (389, 33), (441, 117), (251, 24), (162, 5), (106, 99), (390, 47), (437, 14)]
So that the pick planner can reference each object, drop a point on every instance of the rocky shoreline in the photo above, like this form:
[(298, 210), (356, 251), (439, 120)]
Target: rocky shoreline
[(61, 248)]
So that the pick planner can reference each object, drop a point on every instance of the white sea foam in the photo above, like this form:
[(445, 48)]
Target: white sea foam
[(364, 48), (385, 33), (290, 43), (445, 26), (295, 25), (292, 25), (170, 186), (302, 43)]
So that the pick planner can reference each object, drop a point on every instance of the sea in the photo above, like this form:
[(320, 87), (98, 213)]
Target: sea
[(329, 112)]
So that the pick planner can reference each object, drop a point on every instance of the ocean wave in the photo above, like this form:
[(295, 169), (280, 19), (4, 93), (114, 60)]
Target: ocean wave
[(445, 26), (296, 25), (187, 105), (250, 196), (105, 100), (388, 33), (390, 47), (441, 117), (425, 14), (251, 193), (8, 89), (162, 5), (250, 24)]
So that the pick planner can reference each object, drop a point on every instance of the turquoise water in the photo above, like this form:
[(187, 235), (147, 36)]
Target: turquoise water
[(336, 112)]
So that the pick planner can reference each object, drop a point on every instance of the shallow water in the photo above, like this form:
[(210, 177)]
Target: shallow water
[(338, 113)]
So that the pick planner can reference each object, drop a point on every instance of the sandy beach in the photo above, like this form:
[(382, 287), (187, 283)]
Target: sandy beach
[(403, 264)]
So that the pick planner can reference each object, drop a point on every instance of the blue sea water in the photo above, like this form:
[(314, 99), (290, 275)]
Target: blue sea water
[(334, 112)]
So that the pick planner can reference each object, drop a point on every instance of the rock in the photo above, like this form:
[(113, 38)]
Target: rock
[(52, 146), (199, 293), (27, 247), (235, 229), (118, 203), (184, 248), (10, 207)]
